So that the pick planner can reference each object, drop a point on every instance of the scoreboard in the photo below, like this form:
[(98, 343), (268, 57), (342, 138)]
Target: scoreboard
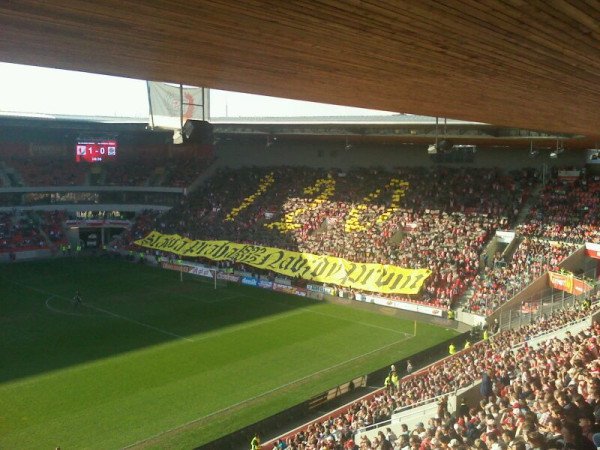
[(95, 151)]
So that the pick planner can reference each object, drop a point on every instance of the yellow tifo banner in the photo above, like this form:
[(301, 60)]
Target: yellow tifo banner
[(382, 278)]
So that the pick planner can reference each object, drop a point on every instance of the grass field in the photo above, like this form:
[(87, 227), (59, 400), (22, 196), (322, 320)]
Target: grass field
[(150, 362)]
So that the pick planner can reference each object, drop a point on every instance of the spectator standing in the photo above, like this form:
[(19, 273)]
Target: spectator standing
[(486, 384)]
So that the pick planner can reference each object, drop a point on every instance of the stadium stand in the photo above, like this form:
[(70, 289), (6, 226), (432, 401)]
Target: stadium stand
[(183, 170), (18, 233), (496, 284), (144, 166), (567, 210), (134, 172), (143, 224), (545, 395), (52, 225), (416, 217), (39, 171), (439, 218)]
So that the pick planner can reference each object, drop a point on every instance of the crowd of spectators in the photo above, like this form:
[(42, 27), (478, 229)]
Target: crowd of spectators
[(546, 397), (52, 224), (147, 166), (38, 171), (497, 283), (182, 171), (19, 232), (567, 210), (131, 172), (144, 223), (436, 218)]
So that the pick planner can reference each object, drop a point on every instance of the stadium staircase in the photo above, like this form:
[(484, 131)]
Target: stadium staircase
[(526, 209), (488, 254), (397, 237), (95, 177), (320, 230), (511, 248), (157, 178), (49, 243), (15, 178), (464, 299), (209, 172), (3, 176)]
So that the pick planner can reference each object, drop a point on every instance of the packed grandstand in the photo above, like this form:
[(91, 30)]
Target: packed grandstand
[(536, 366), (185, 266)]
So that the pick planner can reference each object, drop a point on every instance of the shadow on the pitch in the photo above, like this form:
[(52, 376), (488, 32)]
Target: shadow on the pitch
[(126, 307)]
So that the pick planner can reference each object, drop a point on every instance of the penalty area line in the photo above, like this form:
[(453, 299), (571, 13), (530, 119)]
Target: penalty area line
[(105, 311), (266, 393), (58, 311), (142, 324)]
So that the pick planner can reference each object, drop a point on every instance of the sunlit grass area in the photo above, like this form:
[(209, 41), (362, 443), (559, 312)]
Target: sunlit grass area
[(152, 361)]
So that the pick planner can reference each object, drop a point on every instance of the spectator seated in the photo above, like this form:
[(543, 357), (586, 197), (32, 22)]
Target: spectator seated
[(19, 233), (545, 397), (183, 170), (438, 218), (567, 210), (38, 171), (52, 225), (498, 284)]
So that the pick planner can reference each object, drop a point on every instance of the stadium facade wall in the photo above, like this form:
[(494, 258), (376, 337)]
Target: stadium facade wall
[(87, 207), (333, 155)]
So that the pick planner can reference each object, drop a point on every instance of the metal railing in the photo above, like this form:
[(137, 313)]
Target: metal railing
[(455, 391), (541, 305)]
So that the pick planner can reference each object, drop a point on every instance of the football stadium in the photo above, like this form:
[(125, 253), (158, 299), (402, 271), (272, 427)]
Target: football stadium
[(421, 273)]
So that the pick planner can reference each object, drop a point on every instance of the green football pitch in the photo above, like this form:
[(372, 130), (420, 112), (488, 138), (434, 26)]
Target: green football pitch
[(148, 361)]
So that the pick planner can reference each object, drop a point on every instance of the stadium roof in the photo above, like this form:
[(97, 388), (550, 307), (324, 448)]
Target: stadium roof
[(405, 119), (532, 65), (14, 116)]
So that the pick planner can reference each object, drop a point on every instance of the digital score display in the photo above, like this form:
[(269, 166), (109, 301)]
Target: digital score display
[(95, 151)]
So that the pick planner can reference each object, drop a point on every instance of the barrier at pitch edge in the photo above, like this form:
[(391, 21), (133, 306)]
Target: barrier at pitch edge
[(320, 268), (322, 289), (592, 250), (194, 269), (198, 269), (407, 306), (265, 284), (249, 281), (398, 304), (569, 283)]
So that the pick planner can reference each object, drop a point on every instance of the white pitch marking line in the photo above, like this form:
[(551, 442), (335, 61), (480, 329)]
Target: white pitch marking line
[(110, 313), (244, 326), (58, 311), (191, 422), (310, 310), (142, 324), (359, 323), (191, 297)]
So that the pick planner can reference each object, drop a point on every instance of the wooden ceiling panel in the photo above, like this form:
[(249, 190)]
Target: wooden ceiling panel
[(517, 63)]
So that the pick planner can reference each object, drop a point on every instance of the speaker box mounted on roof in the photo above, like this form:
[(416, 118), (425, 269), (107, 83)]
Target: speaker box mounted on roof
[(198, 131)]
